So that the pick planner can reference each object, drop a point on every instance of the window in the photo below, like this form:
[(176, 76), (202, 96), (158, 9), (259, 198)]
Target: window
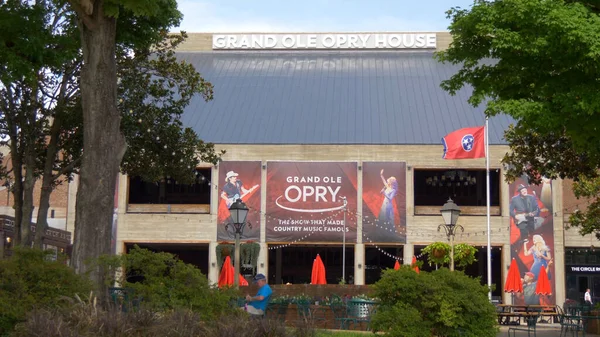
[(169, 191), (467, 188)]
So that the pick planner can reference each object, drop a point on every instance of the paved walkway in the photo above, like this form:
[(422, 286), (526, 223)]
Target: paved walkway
[(543, 330)]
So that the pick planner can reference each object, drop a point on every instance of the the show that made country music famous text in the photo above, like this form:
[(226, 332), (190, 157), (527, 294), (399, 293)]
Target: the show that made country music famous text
[(532, 237), (239, 180), (305, 201), (384, 202)]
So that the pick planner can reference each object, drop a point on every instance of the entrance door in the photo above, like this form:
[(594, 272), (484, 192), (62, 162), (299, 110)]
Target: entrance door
[(583, 283)]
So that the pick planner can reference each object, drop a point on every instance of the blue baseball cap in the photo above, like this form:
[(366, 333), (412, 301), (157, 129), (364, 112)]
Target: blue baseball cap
[(259, 277)]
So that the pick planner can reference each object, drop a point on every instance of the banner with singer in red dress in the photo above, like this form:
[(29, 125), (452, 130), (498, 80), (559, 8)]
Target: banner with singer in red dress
[(532, 238), (305, 201), (384, 202)]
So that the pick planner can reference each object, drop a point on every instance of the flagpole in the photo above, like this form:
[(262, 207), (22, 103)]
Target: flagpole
[(489, 234)]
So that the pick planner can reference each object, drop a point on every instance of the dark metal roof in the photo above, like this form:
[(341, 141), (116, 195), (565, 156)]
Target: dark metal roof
[(341, 97)]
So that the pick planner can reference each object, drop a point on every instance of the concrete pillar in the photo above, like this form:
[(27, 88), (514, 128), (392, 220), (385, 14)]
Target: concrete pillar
[(559, 242), (359, 220), (213, 265), (263, 205), (506, 297), (408, 253), (359, 259), (263, 261)]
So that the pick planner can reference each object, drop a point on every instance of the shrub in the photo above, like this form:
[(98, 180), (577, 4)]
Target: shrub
[(87, 319), (440, 303), (161, 282), (29, 279)]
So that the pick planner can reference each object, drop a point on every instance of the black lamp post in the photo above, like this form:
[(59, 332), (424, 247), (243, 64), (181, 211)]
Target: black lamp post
[(239, 212), (450, 212)]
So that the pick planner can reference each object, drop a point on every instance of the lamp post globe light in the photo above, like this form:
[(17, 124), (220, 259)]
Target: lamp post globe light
[(450, 212), (238, 212)]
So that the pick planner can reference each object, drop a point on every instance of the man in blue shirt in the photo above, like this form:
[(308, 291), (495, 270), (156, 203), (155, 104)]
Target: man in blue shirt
[(258, 304)]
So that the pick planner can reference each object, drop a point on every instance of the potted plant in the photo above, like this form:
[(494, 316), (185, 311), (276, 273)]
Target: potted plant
[(464, 254), (249, 254), (438, 253), (222, 250)]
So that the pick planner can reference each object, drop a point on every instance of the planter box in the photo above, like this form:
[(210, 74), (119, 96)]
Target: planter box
[(593, 325), (292, 318)]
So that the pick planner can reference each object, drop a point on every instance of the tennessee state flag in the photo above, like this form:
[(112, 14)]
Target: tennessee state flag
[(465, 143)]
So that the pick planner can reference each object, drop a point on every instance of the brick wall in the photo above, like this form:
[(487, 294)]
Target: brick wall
[(311, 290)]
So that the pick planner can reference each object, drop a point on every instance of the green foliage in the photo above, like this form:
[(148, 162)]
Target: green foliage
[(537, 61), (437, 253), (84, 318), (166, 283), (464, 255), (40, 63), (155, 88), (249, 253), (440, 303), (29, 279), (223, 250)]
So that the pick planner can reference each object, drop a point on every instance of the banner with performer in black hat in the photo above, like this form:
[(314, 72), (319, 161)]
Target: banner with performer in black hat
[(239, 180), (532, 237)]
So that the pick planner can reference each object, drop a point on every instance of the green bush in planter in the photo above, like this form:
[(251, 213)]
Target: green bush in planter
[(440, 303), (162, 282)]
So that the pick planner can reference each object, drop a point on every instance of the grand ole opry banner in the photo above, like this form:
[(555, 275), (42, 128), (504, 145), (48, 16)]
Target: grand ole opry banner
[(305, 201), (239, 180)]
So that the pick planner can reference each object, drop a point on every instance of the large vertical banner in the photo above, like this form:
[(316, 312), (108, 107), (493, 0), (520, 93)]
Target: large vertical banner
[(532, 237), (305, 201), (239, 180), (384, 202)]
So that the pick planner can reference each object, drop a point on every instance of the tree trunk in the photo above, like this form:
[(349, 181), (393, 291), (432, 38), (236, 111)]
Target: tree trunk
[(17, 164), (17, 189), (27, 206), (103, 146), (29, 136), (47, 181)]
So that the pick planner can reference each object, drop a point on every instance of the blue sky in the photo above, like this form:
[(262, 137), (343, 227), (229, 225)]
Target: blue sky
[(316, 15)]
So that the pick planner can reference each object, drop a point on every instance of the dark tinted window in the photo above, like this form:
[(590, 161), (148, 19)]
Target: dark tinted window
[(169, 191), (465, 187)]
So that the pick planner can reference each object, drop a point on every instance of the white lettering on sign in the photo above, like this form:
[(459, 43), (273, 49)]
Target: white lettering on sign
[(325, 41), (588, 269)]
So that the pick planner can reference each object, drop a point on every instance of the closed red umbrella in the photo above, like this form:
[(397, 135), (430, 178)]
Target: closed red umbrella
[(543, 283), (322, 276), (513, 284), (315, 272), (226, 278), (227, 272), (318, 272), (414, 265), (396, 265)]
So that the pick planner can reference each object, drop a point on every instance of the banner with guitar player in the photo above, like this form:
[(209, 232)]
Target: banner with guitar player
[(305, 201), (384, 202), (532, 237), (239, 180)]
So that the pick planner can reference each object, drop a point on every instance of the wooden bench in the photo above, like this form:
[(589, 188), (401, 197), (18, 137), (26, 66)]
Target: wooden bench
[(508, 313)]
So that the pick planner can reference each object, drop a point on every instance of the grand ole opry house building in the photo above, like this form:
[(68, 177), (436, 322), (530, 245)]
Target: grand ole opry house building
[(333, 137)]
